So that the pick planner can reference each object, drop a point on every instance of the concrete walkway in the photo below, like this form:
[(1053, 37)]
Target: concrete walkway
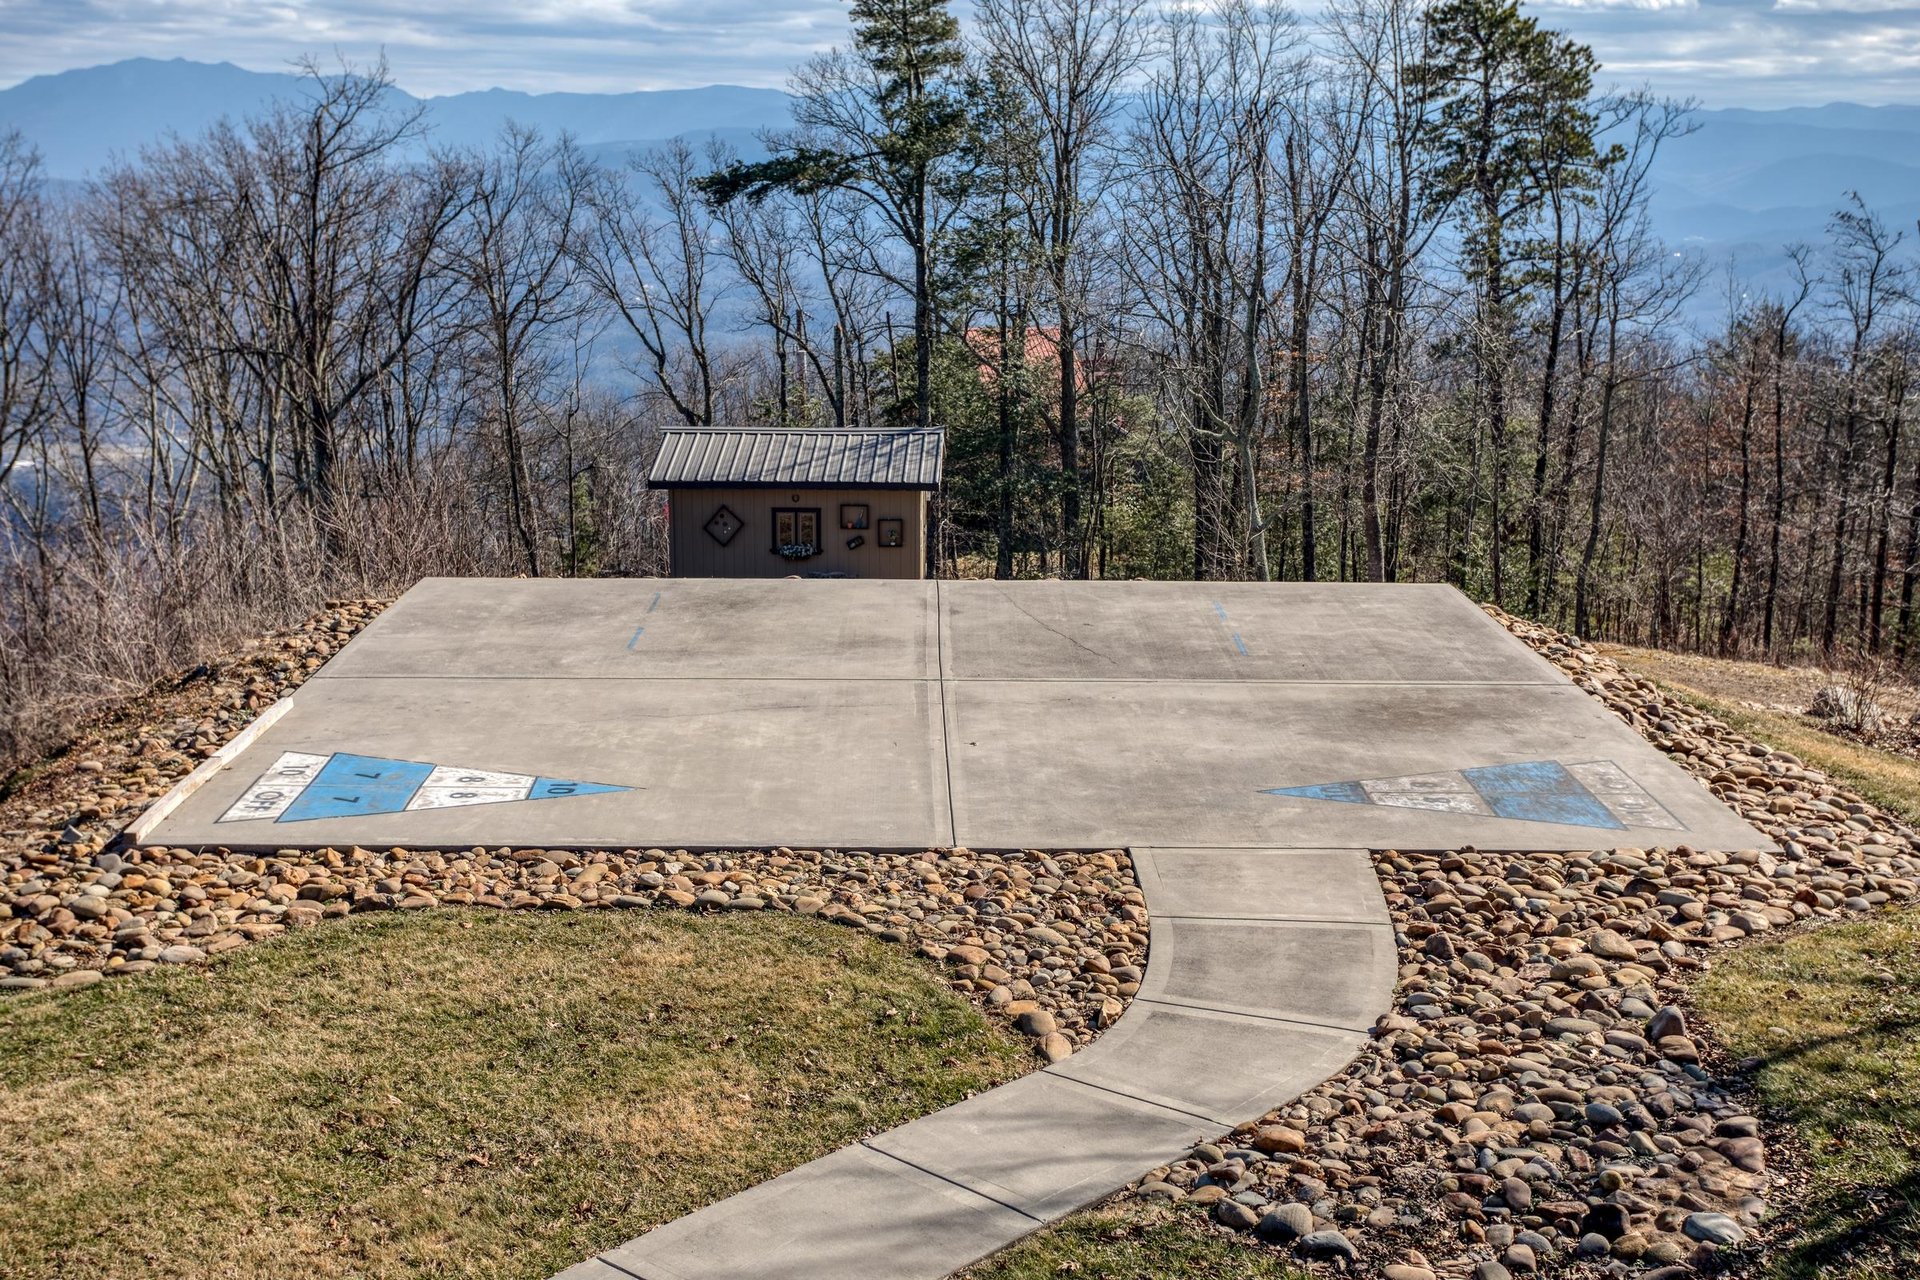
[(1266, 969)]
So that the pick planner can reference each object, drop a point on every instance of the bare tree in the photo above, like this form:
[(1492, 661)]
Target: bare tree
[(24, 366), (1070, 61), (1198, 214), (516, 249), (1868, 279), (648, 253)]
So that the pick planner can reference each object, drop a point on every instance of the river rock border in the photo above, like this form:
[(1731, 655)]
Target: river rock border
[(1536, 1101), (1052, 943)]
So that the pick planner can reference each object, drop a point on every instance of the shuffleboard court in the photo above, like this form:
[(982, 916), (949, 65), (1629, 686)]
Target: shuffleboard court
[(651, 629), (1222, 778), (1344, 633), (900, 715)]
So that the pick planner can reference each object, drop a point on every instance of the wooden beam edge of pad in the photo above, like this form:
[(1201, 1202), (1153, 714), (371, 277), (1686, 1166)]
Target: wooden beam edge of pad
[(137, 831)]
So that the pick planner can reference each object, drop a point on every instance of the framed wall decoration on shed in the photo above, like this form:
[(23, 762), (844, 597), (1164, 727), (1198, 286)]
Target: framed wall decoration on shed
[(722, 525), (853, 515), (892, 532)]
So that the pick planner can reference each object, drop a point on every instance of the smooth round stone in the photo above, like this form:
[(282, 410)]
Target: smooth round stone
[(1713, 1228), (1036, 1023), (1327, 1244), (1286, 1222)]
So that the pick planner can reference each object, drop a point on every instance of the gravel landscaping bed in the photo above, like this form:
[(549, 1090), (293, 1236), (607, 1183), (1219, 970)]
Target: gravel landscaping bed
[(1536, 1100), (1052, 942)]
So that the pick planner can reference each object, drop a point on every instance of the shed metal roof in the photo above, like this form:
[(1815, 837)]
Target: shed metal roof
[(694, 457)]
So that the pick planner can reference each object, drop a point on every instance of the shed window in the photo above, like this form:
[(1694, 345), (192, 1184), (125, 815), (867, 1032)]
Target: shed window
[(796, 527)]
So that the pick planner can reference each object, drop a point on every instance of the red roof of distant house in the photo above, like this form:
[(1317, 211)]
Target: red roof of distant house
[(1042, 347)]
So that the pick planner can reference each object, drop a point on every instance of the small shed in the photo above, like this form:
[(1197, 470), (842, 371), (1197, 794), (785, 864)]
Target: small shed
[(767, 503)]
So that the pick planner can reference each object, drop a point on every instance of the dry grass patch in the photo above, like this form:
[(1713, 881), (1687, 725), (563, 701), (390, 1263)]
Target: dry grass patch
[(1132, 1241), (1757, 685), (1833, 1017), (456, 1093), (1738, 693)]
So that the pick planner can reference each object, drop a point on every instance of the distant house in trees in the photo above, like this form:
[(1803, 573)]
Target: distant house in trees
[(1041, 353), (768, 503)]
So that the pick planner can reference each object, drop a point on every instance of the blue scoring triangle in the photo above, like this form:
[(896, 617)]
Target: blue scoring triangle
[(560, 788), (349, 786), (356, 786), (1340, 792), (1540, 791)]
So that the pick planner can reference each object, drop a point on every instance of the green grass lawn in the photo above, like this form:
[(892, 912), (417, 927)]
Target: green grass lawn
[(1834, 1015), (1133, 1242), (456, 1093)]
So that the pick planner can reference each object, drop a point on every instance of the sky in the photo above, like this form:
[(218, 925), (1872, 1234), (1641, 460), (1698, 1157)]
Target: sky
[(1752, 53)]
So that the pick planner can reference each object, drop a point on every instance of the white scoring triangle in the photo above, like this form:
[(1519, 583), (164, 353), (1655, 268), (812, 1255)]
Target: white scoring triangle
[(448, 776)]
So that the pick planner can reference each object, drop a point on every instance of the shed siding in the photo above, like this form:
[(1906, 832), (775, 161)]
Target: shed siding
[(749, 555)]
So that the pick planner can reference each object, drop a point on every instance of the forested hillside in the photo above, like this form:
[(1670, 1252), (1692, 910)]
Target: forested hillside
[(1215, 292)]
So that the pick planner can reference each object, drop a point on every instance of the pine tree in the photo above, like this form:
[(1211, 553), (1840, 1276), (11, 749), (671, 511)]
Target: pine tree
[(891, 123), (1508, 122)]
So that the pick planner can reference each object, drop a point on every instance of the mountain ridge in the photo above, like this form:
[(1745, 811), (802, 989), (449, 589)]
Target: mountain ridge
[(1740, 188), (84, 118)]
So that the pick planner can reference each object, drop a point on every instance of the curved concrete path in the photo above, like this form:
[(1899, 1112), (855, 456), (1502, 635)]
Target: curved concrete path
[(1266, 968)]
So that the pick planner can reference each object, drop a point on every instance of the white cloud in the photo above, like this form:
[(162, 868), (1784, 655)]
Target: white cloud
[(1644, 6), (440, 46), (1726, 52), (1847, 6), (1757, 53)]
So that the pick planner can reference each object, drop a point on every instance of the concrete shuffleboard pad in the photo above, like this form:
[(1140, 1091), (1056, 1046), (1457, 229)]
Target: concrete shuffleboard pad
[(895, 715)]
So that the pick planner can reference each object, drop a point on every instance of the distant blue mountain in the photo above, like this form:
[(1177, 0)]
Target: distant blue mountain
[(1747, 184), (1737, 191), (82, 119)]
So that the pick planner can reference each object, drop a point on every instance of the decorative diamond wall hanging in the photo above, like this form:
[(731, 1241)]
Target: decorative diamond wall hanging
[(723, 524)]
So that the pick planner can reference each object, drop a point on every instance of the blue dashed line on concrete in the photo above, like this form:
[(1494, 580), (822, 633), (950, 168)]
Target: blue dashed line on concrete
[(1238, 643)]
